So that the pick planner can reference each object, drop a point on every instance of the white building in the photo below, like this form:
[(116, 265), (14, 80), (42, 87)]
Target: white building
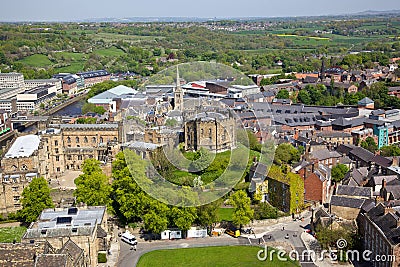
[(29, 84), (31, 99)]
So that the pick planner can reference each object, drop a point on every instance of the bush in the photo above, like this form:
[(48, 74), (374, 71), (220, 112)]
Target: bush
[(265, 211), (102, 258)]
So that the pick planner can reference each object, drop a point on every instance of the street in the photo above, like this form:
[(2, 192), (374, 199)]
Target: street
[(288, 233)]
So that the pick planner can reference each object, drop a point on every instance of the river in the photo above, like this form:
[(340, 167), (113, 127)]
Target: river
[(72, 110)]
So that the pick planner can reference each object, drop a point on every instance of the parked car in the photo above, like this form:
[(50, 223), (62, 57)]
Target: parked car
[(129, 238)]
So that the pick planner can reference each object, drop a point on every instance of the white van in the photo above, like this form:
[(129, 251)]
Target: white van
[(129, 238)]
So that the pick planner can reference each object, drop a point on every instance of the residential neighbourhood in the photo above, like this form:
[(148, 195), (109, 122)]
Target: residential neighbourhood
[(201, 142)]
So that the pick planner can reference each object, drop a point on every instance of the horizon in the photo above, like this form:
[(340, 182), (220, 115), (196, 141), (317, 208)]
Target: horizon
[(75, 11)]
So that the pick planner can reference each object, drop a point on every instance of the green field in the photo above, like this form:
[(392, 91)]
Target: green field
[(8, 234), (73, 68), (110, 52), (225, 214), (37, 60), (70, 56), (209, 256), (112, 37)]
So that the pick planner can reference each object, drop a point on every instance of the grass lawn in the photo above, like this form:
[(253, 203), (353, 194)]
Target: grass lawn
[(8, 234), (73, 68), (37, 60), (70, 56), (110, 52), (225, 214), (209, 256)]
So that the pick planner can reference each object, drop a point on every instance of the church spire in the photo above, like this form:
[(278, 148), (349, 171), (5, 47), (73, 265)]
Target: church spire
[(178, 94)]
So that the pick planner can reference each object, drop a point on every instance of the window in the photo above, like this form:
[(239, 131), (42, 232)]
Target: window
[(56, 150), (16, 198), (68, 139), (79, 157), (101, 139), (85, 140), (56, 143), (77, 139), (57, 158), (14, 168), (115, 139), (15, 188), (24, 167), (58, 169), (69, 157), (93, 139)]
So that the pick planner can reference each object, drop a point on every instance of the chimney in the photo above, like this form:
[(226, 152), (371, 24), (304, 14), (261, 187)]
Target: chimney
[(395, 161), (383, 183)]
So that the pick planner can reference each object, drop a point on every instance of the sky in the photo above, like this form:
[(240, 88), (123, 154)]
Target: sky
[(54, 10)]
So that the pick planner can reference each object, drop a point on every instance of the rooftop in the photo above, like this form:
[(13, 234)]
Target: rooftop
[(24, 146)]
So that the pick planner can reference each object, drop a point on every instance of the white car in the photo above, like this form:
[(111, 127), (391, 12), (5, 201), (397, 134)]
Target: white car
[(129, 238)]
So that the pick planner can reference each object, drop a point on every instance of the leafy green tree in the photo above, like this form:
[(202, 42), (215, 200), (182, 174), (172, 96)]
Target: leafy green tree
[(201, 161), (208, 214), (92, 187), (242, 213), (304, 97), (130, 202), (369, 144), (338, 172), (286, 153), (171, 122), (156, 219), (283, 94), (390, 151), (183, 218), (265, 211), (35, 198)]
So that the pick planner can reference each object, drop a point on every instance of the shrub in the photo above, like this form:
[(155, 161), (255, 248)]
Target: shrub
[(102, 258)]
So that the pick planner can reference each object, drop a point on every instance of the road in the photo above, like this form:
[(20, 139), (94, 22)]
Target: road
[(283, 232)]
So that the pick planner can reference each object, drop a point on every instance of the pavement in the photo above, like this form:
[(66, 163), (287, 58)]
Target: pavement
[(283, 235), (66, 180)]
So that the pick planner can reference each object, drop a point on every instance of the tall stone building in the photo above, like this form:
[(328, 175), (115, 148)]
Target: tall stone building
[(210, 130), (22, 162), (68, 145), (178, 94)]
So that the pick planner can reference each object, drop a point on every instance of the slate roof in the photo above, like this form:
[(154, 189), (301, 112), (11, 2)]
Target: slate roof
[(390, 179), (362, 154), (365, 101), (73, 251), (356, 177), (387, 223), (382, 161), (52, 260), (342, 201), (324, 154), (348, 122), (354, 191), (394, 190)]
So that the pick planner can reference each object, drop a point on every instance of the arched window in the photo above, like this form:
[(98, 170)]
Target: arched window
[(85, 139), (93, 139), (68, 139), (101, 139), (77, 139)]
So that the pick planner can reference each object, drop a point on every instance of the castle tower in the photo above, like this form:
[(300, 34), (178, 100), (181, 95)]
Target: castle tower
[(178, 94)]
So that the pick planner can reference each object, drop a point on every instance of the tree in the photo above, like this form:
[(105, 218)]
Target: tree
[(304, 97), (265, 211), (390, 151), (35, 198), (369, 144), (242, 213), (208, 214), (283, 94), (171, 122), (156, 219), (202, 160), (338, 172), (183, 218), (286, 153), (92, 187)]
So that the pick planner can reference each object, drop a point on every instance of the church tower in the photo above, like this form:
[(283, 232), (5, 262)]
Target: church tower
[(178, 94)]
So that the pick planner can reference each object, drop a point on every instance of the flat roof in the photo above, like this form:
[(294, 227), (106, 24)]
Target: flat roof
[(24, 146)]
